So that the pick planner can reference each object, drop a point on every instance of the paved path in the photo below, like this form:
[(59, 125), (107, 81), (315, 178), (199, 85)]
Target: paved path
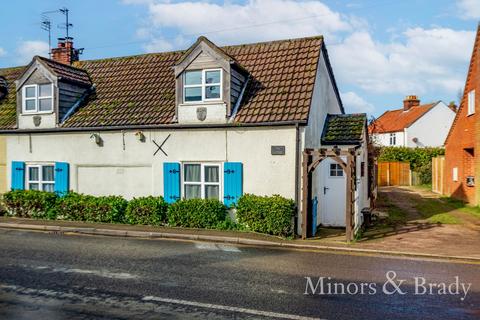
[(420, 236), (54, 276)]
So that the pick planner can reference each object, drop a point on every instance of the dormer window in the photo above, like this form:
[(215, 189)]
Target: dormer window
[(202, 85), (38, 98)]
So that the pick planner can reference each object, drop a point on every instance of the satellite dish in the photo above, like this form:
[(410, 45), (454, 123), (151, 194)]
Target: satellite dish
[(415, 140)]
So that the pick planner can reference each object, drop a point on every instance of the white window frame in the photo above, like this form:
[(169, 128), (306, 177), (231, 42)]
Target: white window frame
[(37, 99), (40, 180), (393, 137), (471, 103), (338, 168), (202, 182), (203, 85)]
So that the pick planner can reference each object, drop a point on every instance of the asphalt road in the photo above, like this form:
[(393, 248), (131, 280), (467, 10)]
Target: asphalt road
[(60, 276)]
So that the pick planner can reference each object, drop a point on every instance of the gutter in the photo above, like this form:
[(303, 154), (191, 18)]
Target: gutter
[(153, 127)]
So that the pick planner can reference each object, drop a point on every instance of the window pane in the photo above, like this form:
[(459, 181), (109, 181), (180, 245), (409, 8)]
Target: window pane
[(47, 173), (211, 192), (212, 92), (192, 172), (211, 174), (45, 104), (33, 174), (48, 187), (30, 105), (193, 94), (30, 92), (193, 77), (192, 191), (33, 186), (212, 76), (45, 90)]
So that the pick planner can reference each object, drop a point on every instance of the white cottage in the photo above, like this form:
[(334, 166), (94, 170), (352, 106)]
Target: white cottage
[(208, 122)]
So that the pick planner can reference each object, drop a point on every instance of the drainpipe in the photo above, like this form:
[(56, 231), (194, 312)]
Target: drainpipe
[(297, 182)]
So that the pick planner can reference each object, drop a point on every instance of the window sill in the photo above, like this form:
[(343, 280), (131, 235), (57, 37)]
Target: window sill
[(35, 113), (209, 102)]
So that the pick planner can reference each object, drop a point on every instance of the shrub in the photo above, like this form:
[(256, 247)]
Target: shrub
[(82, 207), (30, 204), (146, 210), (272, 215), (197, 213)]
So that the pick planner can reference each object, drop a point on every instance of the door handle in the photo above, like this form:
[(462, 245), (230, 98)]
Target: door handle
[(325, 190)]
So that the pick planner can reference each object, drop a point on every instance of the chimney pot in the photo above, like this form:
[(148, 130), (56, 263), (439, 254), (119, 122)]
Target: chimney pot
[(410, 101), (65, 52)]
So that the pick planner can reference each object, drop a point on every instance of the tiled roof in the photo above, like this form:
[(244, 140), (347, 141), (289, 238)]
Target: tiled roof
[(140, 90), (8, 105), (342, 129), (397, 120), (67, 72)]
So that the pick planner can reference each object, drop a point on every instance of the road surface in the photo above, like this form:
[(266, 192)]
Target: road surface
[(62, 276)]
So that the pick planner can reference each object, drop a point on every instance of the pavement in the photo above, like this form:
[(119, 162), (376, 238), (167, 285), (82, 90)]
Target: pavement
[(52, 275)]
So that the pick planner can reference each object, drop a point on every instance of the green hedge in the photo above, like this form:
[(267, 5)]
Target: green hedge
[(30, 204), (80, 207), (146, 210), (420, 159), (197, 213), (272, 215)]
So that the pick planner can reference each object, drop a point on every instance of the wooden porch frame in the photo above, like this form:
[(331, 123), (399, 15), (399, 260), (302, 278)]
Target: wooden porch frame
[(311, 159)]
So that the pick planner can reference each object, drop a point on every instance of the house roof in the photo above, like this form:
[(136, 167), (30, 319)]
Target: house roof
[(397, 120), (66, 72), (344, 129), (140, 90)]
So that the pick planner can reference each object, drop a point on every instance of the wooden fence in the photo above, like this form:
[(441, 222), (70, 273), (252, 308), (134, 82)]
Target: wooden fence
[(394, 174), (438, 169)]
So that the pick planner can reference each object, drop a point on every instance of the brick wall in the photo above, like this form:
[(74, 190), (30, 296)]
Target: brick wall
[(465, 134)]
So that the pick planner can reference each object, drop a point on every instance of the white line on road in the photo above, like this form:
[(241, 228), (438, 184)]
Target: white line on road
[(214, 246), (228, 308), (100, 273)]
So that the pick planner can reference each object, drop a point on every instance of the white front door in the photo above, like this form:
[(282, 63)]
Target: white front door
[(332, 194)]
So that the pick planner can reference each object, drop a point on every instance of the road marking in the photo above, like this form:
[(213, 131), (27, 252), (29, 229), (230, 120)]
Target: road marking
[(215, 246), (100, 273), (230, 309)]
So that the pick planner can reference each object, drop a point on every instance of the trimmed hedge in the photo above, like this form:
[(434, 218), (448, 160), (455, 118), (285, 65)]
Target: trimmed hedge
[(80, 207), (272, 215), (146, 210), (30, 204), (197, 213)]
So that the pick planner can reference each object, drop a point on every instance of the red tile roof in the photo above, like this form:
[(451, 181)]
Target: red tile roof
[(397, 120), (140, 90)]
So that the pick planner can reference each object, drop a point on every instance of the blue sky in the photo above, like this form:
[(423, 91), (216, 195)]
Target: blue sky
[(381, 50)]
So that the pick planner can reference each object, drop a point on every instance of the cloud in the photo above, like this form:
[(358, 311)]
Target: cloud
[(27, 49), (229, 23), (354, 103), (469, 9), (3, 52), (421, 60)]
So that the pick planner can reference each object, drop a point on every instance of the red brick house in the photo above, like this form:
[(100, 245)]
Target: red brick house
[(462, 161)]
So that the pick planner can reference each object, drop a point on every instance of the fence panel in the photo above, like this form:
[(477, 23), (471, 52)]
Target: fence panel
[(438, 168), (394, 173)]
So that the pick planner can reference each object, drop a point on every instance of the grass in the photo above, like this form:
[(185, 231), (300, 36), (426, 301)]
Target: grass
[(396, 215), (444, 218), (475, 211)]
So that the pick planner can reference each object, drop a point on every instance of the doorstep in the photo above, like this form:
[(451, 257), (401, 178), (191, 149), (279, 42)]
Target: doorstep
[(233, 237)]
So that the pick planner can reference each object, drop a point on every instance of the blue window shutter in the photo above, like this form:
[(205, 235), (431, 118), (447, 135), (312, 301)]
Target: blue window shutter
[(18, 175), (62, 178), (171, 181), (233, 182)]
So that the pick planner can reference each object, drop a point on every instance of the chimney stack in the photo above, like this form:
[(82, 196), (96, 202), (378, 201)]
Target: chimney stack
[(65, 52), (410, 101)]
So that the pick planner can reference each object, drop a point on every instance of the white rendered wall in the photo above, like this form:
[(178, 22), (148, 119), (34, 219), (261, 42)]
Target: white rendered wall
[(134, 171), (383, 139)]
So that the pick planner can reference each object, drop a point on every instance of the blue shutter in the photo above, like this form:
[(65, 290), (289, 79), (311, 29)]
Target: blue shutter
[(18, 175), (233, 182), (62, 178), (171, 181)]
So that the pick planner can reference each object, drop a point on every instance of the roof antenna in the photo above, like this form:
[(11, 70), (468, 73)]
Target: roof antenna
[(46, 25), (65, 25)]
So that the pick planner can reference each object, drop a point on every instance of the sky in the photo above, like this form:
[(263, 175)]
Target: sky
[(380, 50)]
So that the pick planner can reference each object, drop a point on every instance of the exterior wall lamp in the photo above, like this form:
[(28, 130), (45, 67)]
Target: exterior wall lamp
[(140, 136), (98, 140)]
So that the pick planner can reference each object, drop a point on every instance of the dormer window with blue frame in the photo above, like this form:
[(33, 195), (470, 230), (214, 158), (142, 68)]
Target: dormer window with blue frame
[(202, 85), (37, 98)]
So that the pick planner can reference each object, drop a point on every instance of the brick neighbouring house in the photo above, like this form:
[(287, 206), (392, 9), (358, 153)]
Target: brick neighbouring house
[(462, 164)]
